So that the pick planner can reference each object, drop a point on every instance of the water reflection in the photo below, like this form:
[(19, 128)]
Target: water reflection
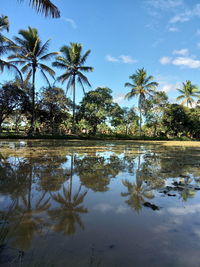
[(67, 215), (57, 185)]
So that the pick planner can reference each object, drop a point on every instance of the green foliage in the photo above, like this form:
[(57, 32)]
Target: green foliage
[(11, 98), (175, 120), (125, 120), (55, 106), (155, 107), (96, 107)]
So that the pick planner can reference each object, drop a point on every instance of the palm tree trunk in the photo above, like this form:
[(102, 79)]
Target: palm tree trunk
[(72, 166), (74, 99), (33, 104), (140, 120)]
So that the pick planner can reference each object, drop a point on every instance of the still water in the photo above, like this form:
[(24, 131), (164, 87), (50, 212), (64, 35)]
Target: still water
[(106, 204)]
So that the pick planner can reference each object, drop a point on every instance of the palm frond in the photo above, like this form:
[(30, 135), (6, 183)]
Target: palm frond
[(62, 78), (86, 69), (45, 77), (84, 57), (59, 65), (83, 78), (45, 7), (47, 69), (128, 85), (49, 56)]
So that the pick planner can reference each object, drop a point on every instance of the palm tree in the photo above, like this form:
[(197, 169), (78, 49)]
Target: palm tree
[(188, 93), (46, 7), (72, 61), (142, 86), (5, 44), (30, 52)]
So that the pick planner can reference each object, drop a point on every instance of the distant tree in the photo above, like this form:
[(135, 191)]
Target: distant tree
[(11, 98), (141, 86), (188, 93), (175, 120), (56, 106), (96, 107), (31, 53), (45, 7), (194, 122), (72, 61), (154, 111), (125, 119)]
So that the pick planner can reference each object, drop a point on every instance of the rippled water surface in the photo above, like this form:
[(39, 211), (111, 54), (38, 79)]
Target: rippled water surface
[(80, 203)]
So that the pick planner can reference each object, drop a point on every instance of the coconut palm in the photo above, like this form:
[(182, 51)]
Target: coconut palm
[(188, 93), (142, 86), (5, 44), (72, 61), (31, 53), (45, 7)]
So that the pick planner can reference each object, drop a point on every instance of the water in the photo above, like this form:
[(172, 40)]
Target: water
[(80, 203)]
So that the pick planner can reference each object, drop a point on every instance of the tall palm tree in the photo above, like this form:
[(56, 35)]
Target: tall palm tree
[(45, 7), (5, 45), (142, 86), (30, 53), (72, 61), (188, 93)]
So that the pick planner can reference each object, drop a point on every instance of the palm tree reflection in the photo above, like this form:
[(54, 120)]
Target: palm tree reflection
[(67, 215), (29, 219), (137, 191)]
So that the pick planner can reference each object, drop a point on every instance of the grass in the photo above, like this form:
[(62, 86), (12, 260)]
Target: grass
[(98, 136)]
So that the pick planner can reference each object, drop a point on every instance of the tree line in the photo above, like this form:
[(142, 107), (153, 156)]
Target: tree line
[(23, 109)]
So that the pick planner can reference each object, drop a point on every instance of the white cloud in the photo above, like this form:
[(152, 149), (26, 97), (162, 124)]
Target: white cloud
[(182, 60), (165, 4), (165, 60), (186, 62), (186, 15), (103, 207), (189, 209), (173, 29), (167, 83), (127, 59), (70, 21), (119, 98), (121, 209), (168, 88), (181, 52), (123, 59), (180, 18), (111, 58)]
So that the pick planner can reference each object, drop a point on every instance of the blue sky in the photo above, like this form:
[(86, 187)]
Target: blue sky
[(163, 36)]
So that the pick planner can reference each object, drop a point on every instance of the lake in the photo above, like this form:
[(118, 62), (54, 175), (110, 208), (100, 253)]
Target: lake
[(99, 203)]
